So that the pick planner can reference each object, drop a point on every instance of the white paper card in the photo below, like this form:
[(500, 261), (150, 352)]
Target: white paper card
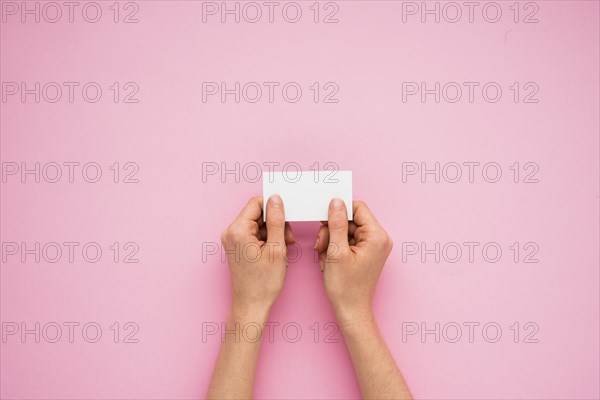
[(306, 194)]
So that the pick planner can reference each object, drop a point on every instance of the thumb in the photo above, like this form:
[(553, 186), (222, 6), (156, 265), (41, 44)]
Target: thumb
[(338, 223), (275, 220)]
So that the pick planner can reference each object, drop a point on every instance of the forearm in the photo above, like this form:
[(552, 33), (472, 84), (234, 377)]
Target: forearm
[(378, 375), (233, 377)]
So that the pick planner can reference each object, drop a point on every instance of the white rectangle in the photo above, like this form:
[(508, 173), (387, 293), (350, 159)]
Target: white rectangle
[(306, 194)]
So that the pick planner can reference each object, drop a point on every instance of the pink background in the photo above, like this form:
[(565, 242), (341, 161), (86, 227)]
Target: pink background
[(171, 292)]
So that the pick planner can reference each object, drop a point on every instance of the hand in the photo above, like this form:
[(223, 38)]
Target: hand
[(351, 255), (257, 254)]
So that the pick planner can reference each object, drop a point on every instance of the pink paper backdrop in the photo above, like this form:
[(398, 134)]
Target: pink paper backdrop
[(179, 290)]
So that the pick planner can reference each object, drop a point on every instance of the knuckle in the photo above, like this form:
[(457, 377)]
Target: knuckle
[(275, 216), (235, 233), (337, 224), (282, 253), (336, 252), (276, 252), (277, 219), (253, 200), (360, 203), (382, 238), (343, 253)]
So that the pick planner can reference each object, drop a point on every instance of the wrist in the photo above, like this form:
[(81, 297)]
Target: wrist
[(354, 317), (246, 313)]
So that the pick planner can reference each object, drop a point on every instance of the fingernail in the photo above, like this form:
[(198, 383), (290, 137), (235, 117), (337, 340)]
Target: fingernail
[(336, 204), (316, 244), (275, 200)]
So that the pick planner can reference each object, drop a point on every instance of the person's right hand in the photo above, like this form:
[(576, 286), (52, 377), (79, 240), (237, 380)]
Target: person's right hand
[(257, 254), (352, 255)]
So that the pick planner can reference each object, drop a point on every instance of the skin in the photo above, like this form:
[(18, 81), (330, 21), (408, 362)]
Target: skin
[(351, 255)]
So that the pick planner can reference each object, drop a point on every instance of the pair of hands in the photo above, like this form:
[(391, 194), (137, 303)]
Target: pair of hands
[(351, 255)]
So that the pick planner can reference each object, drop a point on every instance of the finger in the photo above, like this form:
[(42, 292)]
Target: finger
[(252, 211), (254, 228), (275, 220), (322, 240), (289, 234), (351, 228), (322, 258), (338, 223), (362, 215), (360, 234), (262, 233)]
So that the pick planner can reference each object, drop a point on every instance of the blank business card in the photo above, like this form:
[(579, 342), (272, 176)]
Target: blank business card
[(306, 194)]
